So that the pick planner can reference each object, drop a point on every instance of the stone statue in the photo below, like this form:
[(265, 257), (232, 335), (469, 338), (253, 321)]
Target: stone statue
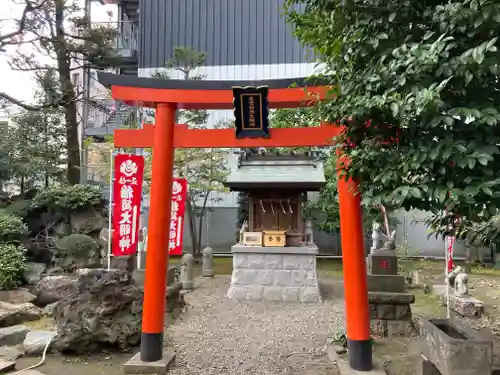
[(450, 279), (308, 233), (460, 285), (187, 272), (244, 228), (381, 240), (208, 260)]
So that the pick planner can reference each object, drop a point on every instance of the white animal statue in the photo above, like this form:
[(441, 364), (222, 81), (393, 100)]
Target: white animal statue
[(309, 233), (450, 279), (461, 287), (244, 228), (380, 240)]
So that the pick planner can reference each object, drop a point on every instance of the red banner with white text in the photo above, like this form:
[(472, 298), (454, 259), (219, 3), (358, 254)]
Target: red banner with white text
[(450, 247), (179, 195), (127, 194)]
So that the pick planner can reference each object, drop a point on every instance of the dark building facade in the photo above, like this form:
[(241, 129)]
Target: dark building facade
[(230, 32)]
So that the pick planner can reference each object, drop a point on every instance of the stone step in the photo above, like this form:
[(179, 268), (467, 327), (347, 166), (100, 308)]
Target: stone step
[(13, 335), (6, 366), (32, 372)]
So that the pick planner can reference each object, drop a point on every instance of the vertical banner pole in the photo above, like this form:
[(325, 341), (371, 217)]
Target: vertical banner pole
[(447, 272), (110, 207), (140, 246)]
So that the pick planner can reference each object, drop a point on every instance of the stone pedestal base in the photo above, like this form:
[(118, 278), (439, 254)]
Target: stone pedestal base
[(390, 314), (386, 283), (466, 306), (279, 274), (463, 305), (136, 366)]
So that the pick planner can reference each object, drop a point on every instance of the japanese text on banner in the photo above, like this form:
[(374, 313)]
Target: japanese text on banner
[(127, 192), (179, 194)]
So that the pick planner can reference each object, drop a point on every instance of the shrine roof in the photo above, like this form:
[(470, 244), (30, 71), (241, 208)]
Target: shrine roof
[(273, 171)]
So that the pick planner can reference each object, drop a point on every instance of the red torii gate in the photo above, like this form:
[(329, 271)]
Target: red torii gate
[(166, 96)]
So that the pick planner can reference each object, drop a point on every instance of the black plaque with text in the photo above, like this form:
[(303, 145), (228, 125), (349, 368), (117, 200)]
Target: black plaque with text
[(251, 112)]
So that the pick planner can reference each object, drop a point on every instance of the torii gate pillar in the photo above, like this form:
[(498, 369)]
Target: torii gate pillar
[(153, 314)]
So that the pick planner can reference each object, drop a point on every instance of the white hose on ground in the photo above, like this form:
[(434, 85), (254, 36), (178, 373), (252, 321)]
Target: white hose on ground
[(44, 356)]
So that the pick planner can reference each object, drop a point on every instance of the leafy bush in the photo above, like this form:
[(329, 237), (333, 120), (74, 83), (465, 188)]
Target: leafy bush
[(76, 251), (78, 246), (12, 228), (19, 208), (12, 265), (68, 198)]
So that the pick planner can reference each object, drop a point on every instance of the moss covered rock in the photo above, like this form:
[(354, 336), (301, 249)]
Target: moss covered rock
[(77, 251)]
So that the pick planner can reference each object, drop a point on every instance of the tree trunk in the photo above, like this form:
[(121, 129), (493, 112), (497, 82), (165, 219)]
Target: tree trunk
[(468, 257), (192, 226), (68, 96), (22, 185), (200, 221)]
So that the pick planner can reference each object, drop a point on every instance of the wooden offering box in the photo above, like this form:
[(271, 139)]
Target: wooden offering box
[(252, 238), (275, 238)]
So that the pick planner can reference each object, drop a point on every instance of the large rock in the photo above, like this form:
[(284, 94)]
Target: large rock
[(61, 229), (33, 273), (106, 311), (39, 250), (88, 221), (104, 238), (14, 335), (10, 353), (54, 288), (103, 245), (40, 220), (11, 314), (77, 251), (36, 342), (19, 295), (49, 309)]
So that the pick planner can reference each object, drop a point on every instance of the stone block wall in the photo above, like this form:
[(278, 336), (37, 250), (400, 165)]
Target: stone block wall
[(390, 314), (274, 277)]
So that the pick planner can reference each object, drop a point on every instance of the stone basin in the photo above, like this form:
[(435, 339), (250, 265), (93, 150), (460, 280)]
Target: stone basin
[(455, 349)]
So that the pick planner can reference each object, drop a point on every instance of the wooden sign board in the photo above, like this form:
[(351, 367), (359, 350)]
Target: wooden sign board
[(251, 112), (274, 238)]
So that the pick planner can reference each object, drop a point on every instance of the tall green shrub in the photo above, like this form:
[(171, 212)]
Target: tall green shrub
[(12, 265)]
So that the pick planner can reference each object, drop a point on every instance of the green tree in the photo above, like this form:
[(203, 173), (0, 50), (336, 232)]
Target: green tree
[(204, 169), (325, 208), (34, 146), (63, 41), (416, 85)]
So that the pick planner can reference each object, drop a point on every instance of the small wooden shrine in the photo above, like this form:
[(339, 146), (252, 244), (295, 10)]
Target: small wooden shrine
[(276, 241)]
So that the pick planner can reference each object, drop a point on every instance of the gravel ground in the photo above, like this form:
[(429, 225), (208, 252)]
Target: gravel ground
[(218, 336)]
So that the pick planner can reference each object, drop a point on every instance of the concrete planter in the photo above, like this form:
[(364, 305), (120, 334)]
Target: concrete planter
[(455, 349)]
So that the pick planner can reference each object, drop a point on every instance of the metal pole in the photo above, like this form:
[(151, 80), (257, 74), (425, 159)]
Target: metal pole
[(111, 204)]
